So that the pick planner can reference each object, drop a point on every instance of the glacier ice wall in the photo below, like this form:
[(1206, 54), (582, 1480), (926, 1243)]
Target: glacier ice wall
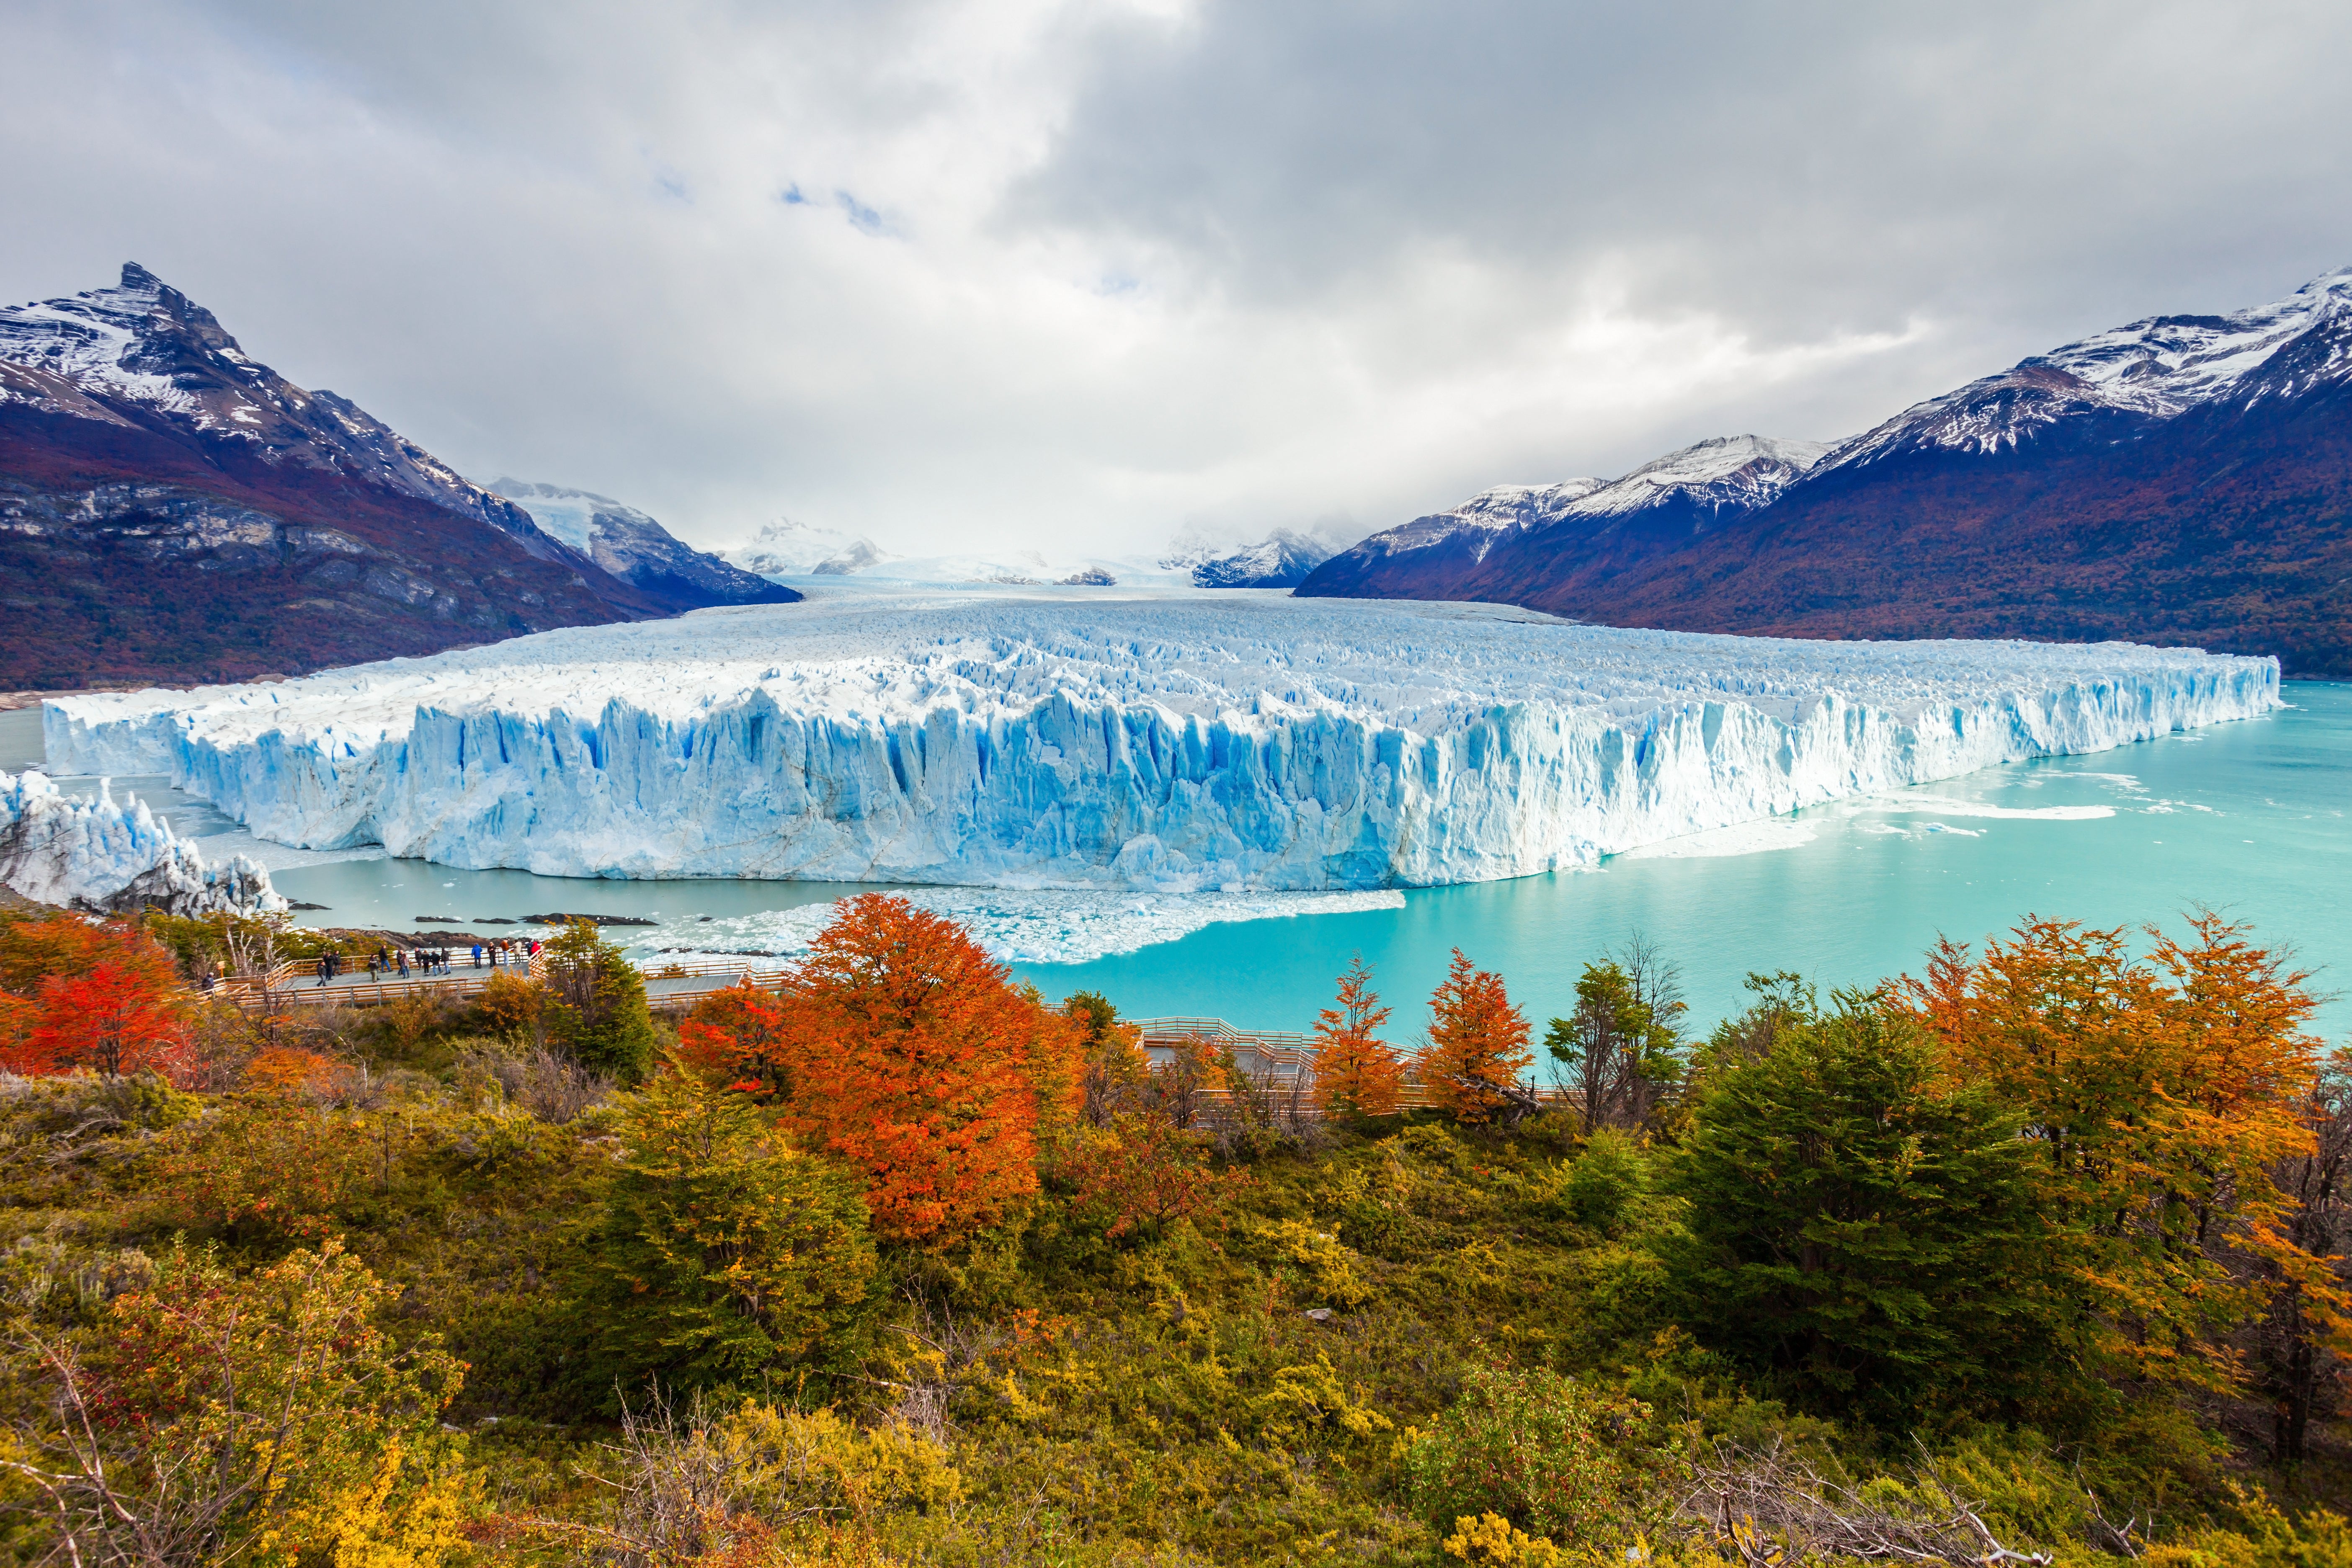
[(1171, 741), (102, 855)]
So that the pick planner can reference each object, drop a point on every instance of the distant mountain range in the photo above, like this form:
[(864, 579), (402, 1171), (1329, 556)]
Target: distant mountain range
[(171, 509), (2181, 479), (1281, 560), (789, 548), (786, 549), (638, 551)]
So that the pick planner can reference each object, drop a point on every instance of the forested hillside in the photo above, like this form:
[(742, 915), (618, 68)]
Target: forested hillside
[(2032, 1257)]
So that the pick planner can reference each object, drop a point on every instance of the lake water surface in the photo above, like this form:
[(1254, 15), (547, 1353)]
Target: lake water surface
[(2249, 818)]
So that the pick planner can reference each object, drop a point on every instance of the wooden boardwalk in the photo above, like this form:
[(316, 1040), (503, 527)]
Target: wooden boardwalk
[(297, 984)]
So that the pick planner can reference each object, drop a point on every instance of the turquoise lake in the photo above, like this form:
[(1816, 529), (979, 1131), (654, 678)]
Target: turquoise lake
[(2247, 818)]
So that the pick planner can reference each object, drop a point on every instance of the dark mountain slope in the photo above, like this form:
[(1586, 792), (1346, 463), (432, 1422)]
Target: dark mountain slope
[(2226, 527), (126, 554), (172, 511)]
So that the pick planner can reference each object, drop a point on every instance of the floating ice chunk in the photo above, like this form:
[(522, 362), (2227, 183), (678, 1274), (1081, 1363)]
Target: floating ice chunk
[(1946, 805), (1040, 927), (1740, 838), (105, 854)]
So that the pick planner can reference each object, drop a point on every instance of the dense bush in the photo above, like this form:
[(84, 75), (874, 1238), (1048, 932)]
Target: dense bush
[(723, 1253)]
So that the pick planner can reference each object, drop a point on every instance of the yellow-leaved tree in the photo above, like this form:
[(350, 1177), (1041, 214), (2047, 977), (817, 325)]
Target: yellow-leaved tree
[(2162, 1090)]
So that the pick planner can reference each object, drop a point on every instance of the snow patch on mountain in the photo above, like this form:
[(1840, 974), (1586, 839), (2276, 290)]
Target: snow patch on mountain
[(106, 855), (633, 547), (93, 341), (1112, 739), (1728, 474), (1474, 528)]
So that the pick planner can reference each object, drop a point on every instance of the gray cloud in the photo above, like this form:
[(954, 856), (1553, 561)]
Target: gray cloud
[(1064, 271)]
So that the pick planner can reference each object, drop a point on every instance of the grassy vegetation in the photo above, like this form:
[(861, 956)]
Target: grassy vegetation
[(2038, 1254)]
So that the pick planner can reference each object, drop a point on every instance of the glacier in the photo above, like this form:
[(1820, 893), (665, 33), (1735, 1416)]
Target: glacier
[(103, 855), (1163, 739)]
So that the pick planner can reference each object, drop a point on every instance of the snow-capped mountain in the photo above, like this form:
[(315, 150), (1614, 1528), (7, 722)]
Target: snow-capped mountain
[(1728, 474), (788, 549), (146, 345), (2150, 371), (638, 550), (1281, 560), (171, 508), (2183, 478), (1682, 493), (1413, 559)]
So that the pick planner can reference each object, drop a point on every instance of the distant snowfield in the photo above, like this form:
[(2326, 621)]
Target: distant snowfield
[(1112, 741)]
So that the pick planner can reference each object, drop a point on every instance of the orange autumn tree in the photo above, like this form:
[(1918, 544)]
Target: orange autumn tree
[(915, 1060), (1356, 1073), (18, 1018), (107, 999), (114, 1021), (2162, 1090), (32, 951), (735, 1039), (1144, 1174), (1477, 1047)]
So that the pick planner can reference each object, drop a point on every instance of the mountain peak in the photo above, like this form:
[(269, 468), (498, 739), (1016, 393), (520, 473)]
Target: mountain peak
[(138, 279)]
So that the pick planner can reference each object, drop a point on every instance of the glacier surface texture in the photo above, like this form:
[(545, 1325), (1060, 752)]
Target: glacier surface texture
[(102, 854), (1176, 741)]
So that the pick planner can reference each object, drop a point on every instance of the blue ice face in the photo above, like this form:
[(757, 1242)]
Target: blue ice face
[(1176, 741)]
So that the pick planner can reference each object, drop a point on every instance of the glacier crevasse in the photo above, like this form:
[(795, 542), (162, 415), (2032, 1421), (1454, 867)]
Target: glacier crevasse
[(1174, 743)]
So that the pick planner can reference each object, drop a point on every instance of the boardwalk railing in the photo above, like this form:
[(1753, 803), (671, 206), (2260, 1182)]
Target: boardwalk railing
[(735, 969), (296, 985)]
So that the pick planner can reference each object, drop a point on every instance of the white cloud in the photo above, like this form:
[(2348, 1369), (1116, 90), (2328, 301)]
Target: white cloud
[(1062, 271)]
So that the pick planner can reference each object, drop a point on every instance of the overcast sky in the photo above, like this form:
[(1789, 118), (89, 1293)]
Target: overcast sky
[(1086, 276)]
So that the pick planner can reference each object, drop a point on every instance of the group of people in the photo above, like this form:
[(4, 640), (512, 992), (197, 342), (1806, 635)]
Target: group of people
[(508, 949), (404, 962)]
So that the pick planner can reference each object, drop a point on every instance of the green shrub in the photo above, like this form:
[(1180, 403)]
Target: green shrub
[(1861, 1235), (1604, 1183), (594, 1004), (1545, 1452), (722, 1253)]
